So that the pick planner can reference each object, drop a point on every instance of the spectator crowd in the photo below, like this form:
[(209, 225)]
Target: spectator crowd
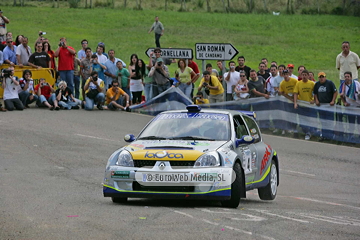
[(101, 79)]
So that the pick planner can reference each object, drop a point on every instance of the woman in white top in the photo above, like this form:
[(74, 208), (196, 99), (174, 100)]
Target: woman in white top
[(241, 90)]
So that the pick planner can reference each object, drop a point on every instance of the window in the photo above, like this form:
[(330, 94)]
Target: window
[(253, 128), (240, 127)]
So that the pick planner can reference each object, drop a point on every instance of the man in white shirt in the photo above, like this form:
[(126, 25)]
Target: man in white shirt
[(232, 78), (11, 87), (347, 61)]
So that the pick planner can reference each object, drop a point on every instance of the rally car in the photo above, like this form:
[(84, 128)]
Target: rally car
[(195, 153)]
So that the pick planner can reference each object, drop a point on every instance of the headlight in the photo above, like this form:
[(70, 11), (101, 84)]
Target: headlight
[(125, 159), (208, 160)]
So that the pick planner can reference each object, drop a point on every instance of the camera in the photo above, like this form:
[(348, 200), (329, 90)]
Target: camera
[(61, 44), (6, 73), (205, 84), (159, 64), (94, 79)]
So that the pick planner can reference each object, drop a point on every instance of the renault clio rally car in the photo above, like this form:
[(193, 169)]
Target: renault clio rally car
[(195, 153)]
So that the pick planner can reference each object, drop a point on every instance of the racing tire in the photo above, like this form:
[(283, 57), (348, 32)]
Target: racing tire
[(119, 200), (269, 191), (236, 186)]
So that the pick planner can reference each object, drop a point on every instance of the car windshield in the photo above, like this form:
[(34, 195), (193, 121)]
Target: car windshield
[(188, 126)]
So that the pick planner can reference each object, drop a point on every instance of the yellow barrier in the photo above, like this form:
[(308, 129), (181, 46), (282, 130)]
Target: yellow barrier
[(47, 73)]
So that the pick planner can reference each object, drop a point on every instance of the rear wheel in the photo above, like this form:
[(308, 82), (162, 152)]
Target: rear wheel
[(269, 191), (236, 186), (119, 200)]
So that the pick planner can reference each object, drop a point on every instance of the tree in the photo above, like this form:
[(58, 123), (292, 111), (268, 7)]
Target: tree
[(183, 5), (265, 7), (124, 3), (225, 8)]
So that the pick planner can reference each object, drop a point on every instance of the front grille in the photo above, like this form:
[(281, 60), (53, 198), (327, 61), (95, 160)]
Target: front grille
[(151, 163), (144, 163), (139, 187), (182, 163)]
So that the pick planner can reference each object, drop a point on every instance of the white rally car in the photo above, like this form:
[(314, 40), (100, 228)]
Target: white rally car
[(194, 154)]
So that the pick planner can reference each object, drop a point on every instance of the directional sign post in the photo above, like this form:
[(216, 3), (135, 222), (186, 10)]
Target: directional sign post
[(183, 53), (215, 51)]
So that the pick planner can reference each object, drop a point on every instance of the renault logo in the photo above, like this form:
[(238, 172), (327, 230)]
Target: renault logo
[(162, 166)]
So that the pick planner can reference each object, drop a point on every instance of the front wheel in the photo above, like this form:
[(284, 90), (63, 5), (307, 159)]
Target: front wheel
[(118, 200), (269, 191), (235, 189)]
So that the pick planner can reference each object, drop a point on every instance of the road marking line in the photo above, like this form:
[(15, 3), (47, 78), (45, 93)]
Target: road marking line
[(280, 216), (250, 217), (185, 214), (324, 202), (94, 137), (228, 227), (330, 219), (301, 173)]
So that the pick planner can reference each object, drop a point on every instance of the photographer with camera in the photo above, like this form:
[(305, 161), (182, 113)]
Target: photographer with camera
[(3, 20), (160, 74), (213, 87), (66, 55), (65, 98), (27, 84), (94, 87), (45, 95), (199, 99), (11, 87)]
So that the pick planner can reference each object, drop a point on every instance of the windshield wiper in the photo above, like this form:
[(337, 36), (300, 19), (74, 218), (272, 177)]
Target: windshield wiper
[(152, 138), (193, 138)]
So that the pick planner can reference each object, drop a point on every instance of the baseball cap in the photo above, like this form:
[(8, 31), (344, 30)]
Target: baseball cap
[(101, 44), (290, 65), (321, 74), (159, 60), (285, 71)]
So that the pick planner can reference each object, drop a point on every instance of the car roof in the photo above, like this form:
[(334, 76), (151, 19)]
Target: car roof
[(210, 110)]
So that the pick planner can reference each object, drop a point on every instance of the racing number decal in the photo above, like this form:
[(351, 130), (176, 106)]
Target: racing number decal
[(247, 161)]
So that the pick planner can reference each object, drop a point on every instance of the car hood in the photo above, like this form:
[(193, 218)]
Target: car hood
[(171, 149)]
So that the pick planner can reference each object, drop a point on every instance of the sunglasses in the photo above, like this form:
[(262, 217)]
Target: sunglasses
[(242, 75), (115, 85), (321, 76), (9, 42), (157, 52), (84, 43)]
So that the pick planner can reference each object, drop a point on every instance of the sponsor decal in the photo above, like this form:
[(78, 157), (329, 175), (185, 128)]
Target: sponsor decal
[(163, 154), (136, 146), (120, 174), (212, 116), (265, 159), (227, 161)]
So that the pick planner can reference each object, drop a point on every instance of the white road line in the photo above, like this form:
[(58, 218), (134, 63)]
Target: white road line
[(94, 137), (280, 216), (249, 217), (330, 219), (324, 202), (228, 227), (185, 214), (301, 173)]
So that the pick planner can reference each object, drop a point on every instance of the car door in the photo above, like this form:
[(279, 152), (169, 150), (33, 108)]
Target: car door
[(260, 153), (247, 152)]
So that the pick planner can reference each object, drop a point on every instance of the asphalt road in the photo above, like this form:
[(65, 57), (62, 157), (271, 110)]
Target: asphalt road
[(51, 172)]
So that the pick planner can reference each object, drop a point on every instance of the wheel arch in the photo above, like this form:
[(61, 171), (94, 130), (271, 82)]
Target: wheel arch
[(243, 190), (276, 160)]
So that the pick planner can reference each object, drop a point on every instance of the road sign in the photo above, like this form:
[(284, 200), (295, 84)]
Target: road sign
[(215, 51), (184, 53)]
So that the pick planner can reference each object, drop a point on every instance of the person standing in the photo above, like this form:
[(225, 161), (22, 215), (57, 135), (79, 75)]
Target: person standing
[(347, 61), (111, 68), (85, 69), (23, 53), (81, 52), (3, 21), (186, 76), (325, 92), (9, 53), (66, 54), (256, 85), (160, 74), (304, 91), (242, 66), (232, 78), (39, 59), (158, 29)]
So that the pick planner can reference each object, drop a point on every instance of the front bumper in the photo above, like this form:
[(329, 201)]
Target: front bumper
[(127, 182)]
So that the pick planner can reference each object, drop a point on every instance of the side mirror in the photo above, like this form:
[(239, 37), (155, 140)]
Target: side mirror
[(246, 139), (129, 138)]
